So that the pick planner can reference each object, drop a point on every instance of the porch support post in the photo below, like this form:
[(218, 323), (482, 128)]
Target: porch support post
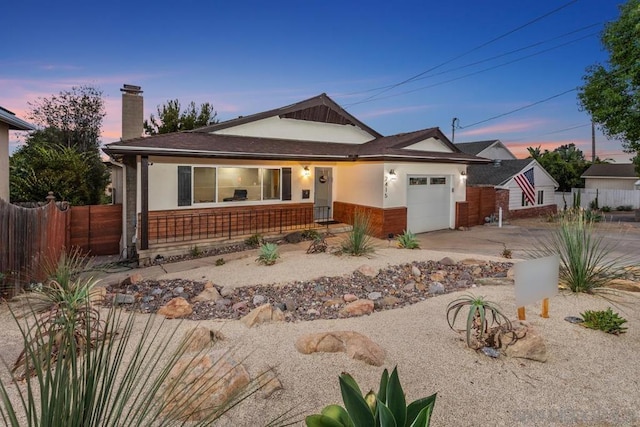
[(144, 201)]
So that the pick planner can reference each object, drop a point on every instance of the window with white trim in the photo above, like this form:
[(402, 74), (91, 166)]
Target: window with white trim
[(541, 197)]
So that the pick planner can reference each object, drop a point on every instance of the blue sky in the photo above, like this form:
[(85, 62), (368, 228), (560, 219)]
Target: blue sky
[(250, 56)]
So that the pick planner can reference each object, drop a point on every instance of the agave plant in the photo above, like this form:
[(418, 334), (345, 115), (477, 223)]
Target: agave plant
[(408, 240), (268, 254), (484, 318), (384, 409)]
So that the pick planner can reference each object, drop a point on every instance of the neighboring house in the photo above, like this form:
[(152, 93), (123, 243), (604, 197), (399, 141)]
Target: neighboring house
[(493, 149), (311, 156), (610, 176), (8, 121), (523, 187)]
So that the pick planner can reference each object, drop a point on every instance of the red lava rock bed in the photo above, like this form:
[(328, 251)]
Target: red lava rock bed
[(321, 298)]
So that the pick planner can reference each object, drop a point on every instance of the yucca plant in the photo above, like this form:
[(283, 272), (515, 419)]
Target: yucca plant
[(386, 408), (586, 264), (483, 318), (268, 254), (124, 380), (359, 241), (408, 240)]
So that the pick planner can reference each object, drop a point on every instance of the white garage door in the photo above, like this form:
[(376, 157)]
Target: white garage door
[(428, 203)]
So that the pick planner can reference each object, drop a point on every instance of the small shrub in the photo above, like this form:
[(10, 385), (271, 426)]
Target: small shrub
[(593, 216), (625, 208), (606, 209), (479, 326), (195, 251), (311, 234), (604, 320), (359, 241), (220, 261), (388, 407), (506, 252), (254, 241), (268, 254), (408, 240)]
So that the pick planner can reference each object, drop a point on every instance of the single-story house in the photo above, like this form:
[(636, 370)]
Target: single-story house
[(8, 121), (610, 176), (523, 187), (305, 162)]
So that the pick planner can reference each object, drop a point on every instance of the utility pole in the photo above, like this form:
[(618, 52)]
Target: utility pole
[(593, 142), (453, 129)]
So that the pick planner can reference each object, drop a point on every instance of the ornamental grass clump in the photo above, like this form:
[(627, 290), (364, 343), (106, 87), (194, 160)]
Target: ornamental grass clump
[(386, 408), (586, 263), (359, 240)]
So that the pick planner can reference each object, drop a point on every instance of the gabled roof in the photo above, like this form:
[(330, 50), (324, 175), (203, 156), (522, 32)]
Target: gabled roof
[(14, 123), (475, 147), (497, 173), (320, 108), (611, 170)]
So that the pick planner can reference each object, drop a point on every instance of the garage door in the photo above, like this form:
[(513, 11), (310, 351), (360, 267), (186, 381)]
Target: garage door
[(428, 203)]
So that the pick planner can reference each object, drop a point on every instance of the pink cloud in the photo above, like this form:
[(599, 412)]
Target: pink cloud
[(503, 128)]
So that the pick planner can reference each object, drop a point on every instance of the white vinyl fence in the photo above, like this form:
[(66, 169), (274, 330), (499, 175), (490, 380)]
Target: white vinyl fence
[(611, 198)]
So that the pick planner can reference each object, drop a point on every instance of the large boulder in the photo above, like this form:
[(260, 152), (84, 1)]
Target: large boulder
[(201, 383), (201, 338), (209, 294), (356, 345), (624, 285), (264, 313), (529, 344), (176, 308)]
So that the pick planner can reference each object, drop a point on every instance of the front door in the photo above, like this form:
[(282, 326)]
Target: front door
[(322, 194)]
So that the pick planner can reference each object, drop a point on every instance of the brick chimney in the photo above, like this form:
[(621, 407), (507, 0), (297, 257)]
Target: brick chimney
[(132, 114)]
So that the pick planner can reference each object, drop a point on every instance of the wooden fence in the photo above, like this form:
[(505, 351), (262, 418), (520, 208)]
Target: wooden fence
[(30, 238), (480, 203)]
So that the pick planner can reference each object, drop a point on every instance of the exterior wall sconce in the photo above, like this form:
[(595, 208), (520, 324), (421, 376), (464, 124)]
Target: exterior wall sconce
[(463, 174), (306, 172)]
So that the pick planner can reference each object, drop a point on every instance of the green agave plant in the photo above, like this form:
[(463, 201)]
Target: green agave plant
[(408, 240), (386, 408), (268, 254), (482, 316)]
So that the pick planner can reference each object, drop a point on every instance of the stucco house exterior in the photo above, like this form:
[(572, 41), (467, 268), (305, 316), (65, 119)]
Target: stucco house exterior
[(309, 161), (8, 121), (610, 176), (523, 187)]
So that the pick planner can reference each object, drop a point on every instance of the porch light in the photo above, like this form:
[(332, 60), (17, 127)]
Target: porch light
[(463, 173), (306, 172)]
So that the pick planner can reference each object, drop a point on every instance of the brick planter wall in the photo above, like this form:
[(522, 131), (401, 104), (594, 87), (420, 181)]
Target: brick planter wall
[(533, 212)]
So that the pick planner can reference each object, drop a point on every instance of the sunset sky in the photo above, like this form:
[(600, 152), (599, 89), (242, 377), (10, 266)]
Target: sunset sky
[(397, 66)]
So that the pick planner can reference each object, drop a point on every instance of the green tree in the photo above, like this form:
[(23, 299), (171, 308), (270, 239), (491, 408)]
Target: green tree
[(565, 164), (64, 155), (171, 118), (41, 166), (611, 92)]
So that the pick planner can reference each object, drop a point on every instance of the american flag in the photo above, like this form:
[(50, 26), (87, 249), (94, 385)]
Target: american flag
[(525, 181)]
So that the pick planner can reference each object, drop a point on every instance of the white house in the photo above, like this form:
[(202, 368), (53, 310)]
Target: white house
[(311, 158), (610, 176)]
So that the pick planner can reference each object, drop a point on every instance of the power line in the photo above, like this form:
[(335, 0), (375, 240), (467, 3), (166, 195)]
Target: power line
[(520, 109), (551, 132), (539, 18)]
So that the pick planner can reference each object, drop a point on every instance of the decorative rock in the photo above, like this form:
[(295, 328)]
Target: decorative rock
[(156, 292), (124, 299), (409, 287), (349, 298), (416, 272), (574, 319), (332, 302), (208, 295), (447, 261), (374, 296), (290, 304), (313, 312), (511, 274), (201, 338), (356, 345), (208, 285), (471, 261), (358, 308), (148, 298), (226, 292), (264, 313), (477, 271), (133, 279), (494, 281), (490, 351), (367, 270), (239, 306), (436, 288), (215, 376), (176, 308), (438, 276), (259, 300), (530, 345), (389, 301), (178, 290), (421, 286), (269, 383), (624, 285), (224, 302)]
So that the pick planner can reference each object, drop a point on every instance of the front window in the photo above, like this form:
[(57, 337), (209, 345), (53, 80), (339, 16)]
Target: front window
[(239, 184), (204, 185), (270, 184)]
